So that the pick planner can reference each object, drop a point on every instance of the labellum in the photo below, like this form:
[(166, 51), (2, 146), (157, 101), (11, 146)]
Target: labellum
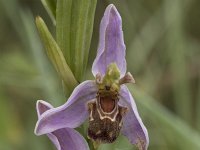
[(105, 119)]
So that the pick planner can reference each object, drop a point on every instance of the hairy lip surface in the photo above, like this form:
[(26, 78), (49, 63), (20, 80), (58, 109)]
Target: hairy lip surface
[(107, 104), (105, 121)]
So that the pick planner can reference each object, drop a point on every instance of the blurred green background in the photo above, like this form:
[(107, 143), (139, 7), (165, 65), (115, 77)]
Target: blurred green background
[(163, 53)]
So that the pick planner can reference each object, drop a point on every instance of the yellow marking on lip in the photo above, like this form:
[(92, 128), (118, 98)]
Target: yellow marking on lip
[(98, 132), (111, 134)]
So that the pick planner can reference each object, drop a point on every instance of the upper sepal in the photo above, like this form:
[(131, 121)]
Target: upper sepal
[(111, 47)]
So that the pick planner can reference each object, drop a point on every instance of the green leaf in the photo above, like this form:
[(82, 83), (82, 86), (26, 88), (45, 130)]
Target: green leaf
[(89, 31), (82, 27), (55, 55), (63, 28), (50, 6), (74, 26)]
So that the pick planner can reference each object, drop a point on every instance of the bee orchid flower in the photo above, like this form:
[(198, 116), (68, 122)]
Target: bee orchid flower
[(105, 102)]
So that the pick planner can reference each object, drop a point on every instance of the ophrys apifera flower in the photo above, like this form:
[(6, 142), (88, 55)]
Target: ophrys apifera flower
[(106, 101)]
